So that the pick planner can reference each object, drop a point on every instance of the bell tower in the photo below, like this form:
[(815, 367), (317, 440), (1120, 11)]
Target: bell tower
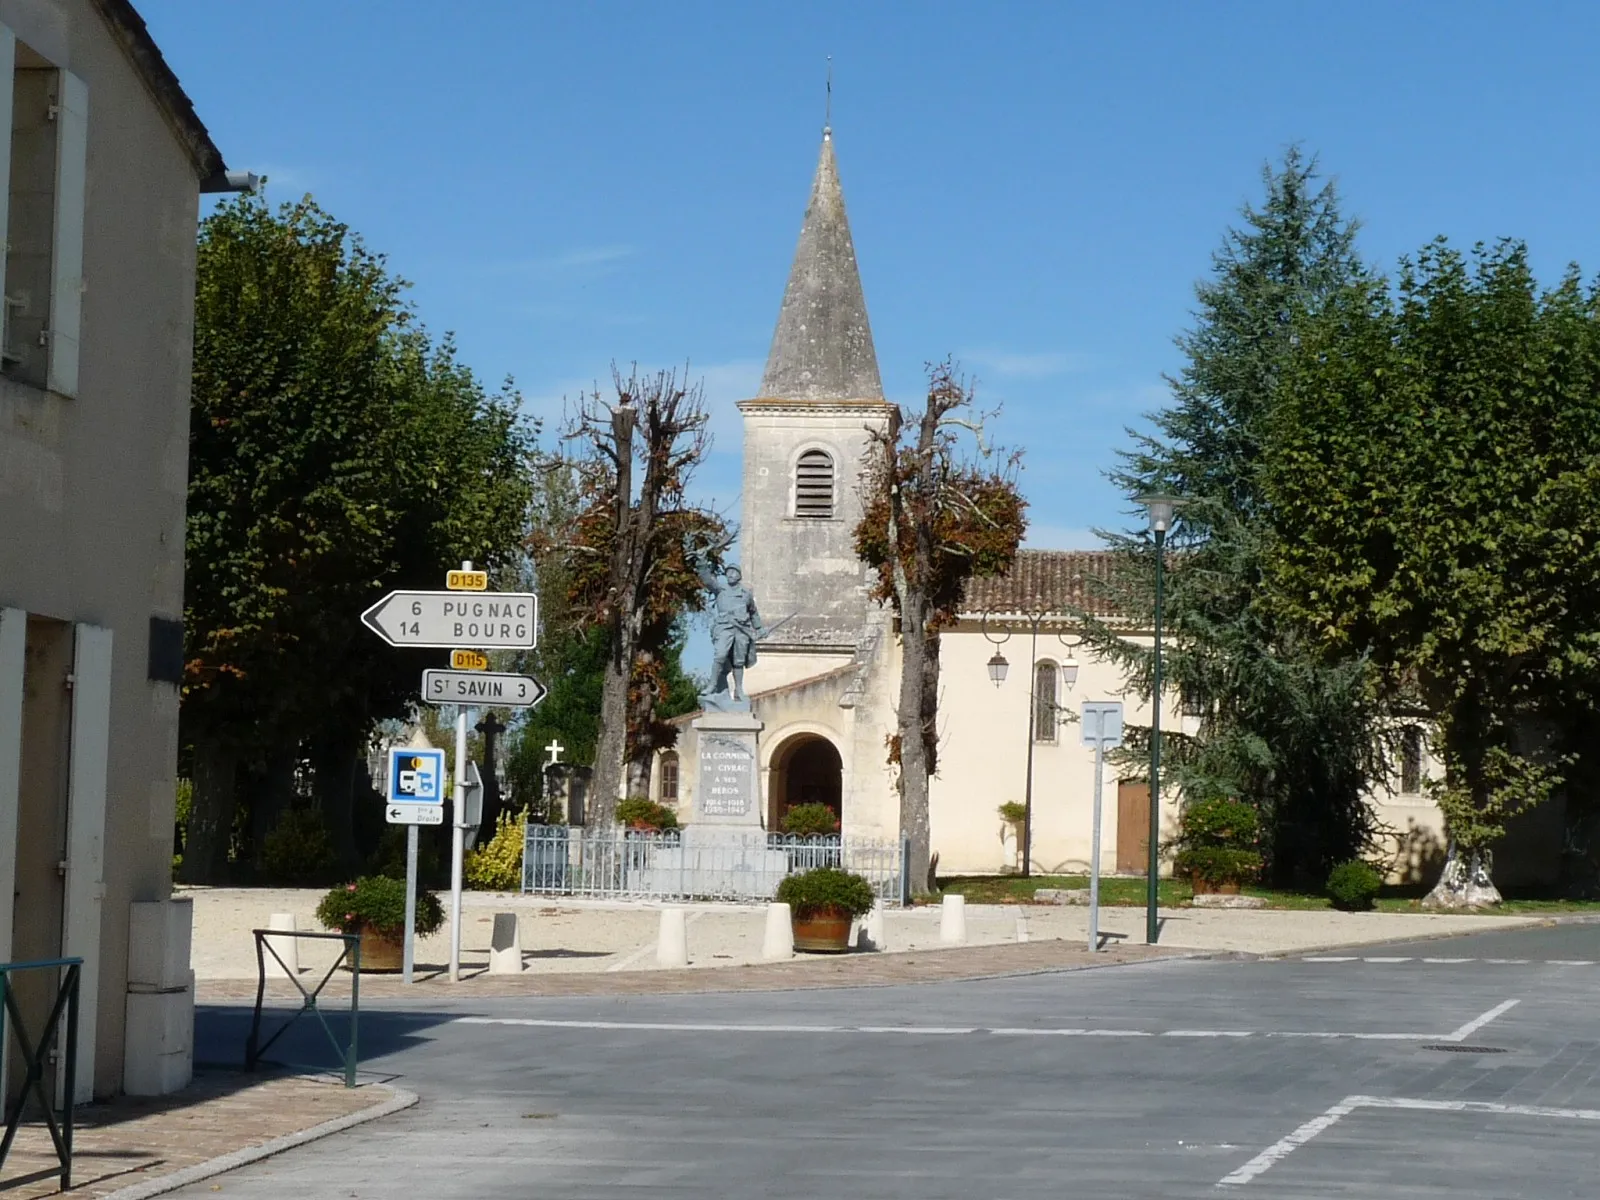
[(805, 441)]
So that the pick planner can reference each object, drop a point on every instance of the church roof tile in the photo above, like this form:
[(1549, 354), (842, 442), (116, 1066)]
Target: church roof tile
[(1045, 580)]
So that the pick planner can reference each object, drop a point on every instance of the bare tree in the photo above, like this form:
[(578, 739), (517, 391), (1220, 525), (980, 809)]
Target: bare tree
[(629, 568), (933, 520)]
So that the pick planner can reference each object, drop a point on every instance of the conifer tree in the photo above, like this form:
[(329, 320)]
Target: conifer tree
[(1294, 736)]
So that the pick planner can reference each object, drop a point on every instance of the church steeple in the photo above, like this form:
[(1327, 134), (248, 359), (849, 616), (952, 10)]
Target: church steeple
[(822, 348)]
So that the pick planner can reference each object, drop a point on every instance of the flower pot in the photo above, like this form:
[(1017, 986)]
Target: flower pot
[(825, 931), (1204, 887), (382, 951)]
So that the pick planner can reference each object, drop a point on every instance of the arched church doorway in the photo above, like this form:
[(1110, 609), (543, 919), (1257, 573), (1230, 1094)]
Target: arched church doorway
[(806, 769)]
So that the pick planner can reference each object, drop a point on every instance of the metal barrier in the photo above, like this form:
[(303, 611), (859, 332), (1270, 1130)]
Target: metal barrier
[(693, 864), (37, 1054), (254, 1047)]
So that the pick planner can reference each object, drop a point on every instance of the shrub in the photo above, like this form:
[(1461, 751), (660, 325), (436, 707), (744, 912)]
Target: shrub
[(639, 812), (378, 903), (1354, 885), (810, 820), (390, 856), (496, 866), (826, 887), (1216, 842), (1013, 812), (298, 850)]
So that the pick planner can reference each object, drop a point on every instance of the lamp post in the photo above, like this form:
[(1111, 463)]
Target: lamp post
[(998, 667), (1161, 508)]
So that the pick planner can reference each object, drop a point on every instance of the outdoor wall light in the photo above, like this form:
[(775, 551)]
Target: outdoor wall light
[(997, 668)]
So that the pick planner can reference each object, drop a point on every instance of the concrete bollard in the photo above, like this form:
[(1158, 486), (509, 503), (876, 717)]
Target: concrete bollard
[(870, 936), (778, 943), (672, 946), (953, 921), (288, 948), (505, 945), (1022, 925)]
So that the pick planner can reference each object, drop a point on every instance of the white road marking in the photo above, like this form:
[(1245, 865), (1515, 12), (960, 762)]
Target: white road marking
[(964, 1030), (1478, 1022), (1385, 960), (1571, 962), (1449, 960), (1505, 962), (1329, 958), (1284, 1147)]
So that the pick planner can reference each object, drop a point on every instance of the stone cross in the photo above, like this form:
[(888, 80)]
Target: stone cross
[(554, 750)]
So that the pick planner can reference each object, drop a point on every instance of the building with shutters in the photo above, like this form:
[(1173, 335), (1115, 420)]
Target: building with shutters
[(100, 182), (826, 683)]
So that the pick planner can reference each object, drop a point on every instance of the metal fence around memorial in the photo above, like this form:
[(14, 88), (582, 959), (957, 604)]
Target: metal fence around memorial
[(637, 864)]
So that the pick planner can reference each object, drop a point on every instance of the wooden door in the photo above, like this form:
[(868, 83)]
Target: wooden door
[(1133, 826)]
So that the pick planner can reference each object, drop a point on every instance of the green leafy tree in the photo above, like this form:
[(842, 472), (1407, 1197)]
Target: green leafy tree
[(335, 452), (932, 519), (1294, 735), (1434, 462)]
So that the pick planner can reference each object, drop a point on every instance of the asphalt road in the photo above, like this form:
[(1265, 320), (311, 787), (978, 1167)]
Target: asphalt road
[(1300, 1077)]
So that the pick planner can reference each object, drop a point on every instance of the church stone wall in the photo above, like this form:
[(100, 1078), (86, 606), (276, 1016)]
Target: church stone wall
[(805, 567)]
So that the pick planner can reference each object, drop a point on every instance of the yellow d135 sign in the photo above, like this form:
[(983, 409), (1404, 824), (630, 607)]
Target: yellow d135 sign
[(468, 660), (467, 581)]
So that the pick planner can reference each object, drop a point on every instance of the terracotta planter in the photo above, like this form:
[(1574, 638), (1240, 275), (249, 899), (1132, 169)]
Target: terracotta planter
[(1204, 888), (826, 931), (381, 952)]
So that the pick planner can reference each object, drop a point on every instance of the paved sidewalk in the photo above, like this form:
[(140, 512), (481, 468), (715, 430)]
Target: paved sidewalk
[(135, 1146), (802, 972)]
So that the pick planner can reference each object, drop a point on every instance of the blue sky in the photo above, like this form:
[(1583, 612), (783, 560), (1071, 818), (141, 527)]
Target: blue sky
[(1033, 188)]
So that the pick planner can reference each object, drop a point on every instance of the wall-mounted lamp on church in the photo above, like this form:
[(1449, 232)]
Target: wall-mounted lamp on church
[(998, 667)]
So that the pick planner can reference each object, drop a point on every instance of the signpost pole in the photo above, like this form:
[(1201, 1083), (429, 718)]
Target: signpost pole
[(458, 842), (411, 902), (1094, 847)]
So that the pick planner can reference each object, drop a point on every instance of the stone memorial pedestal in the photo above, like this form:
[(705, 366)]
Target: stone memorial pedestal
[(723, 849)]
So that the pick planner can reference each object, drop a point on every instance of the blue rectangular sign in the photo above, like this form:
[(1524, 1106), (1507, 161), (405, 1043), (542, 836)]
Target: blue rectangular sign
[(416, 776)]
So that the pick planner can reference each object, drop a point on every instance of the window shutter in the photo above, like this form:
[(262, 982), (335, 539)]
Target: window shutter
[(813, 485), (8, 68), (13, 648), (66, 261), (86, 832)]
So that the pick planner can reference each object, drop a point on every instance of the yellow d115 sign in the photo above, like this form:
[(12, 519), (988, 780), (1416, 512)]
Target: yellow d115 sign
[(467, 581), (468, 660)]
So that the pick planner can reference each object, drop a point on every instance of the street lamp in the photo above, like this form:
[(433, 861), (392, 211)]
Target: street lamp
[(998, 666), (1161, 509)]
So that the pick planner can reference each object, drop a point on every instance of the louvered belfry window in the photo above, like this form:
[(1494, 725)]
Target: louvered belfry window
[(813, 485)]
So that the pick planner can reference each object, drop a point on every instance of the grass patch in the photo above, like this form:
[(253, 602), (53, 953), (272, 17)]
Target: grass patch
[(1130, 892)]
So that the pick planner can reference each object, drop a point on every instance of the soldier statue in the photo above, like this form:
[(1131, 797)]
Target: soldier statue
[(735, 630)]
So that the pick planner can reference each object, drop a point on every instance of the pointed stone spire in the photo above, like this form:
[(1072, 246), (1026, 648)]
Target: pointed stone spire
[(822, 348)]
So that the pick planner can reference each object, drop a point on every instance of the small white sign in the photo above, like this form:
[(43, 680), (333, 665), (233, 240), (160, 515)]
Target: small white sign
[(414, 814), (1102, 723)]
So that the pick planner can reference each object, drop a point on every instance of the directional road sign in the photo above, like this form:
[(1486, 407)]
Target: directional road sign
[(483, 689), (445, 620), (415, 787)]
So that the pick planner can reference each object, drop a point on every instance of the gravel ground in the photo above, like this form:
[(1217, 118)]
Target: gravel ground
[(585, 936)]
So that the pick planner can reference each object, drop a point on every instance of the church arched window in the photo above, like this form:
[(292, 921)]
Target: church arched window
[(1044, 702), (813, 485)]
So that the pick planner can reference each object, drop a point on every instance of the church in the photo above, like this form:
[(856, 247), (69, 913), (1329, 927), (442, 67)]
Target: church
[(1012, 668)]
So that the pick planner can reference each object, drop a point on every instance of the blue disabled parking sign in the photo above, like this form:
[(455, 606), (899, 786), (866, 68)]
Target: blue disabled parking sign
[(416, 776)]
